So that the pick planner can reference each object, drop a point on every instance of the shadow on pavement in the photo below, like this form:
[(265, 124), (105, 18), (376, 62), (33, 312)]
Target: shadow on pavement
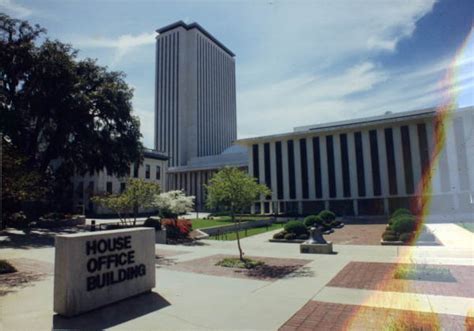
[(35, 238), (114, 314)]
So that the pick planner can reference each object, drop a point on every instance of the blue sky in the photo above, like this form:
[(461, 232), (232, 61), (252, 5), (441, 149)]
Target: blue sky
[(298, 62)]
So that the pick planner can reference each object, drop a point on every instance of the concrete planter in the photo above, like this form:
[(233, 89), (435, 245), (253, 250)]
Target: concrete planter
[(160, 237), (294, 241)]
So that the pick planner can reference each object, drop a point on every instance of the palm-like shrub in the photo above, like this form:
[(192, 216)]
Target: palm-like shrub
[(312, 220), (403, 224), (327, 216)]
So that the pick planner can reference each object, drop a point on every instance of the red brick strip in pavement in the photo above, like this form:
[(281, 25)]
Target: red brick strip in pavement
[(325, 316), (380, 276)]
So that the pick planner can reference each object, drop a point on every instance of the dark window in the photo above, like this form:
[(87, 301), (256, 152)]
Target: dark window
[(268, 174), (304, 168), (407, 163), (461, 154), (90, 188), (360, 164), (423, 146), (80, 190), (109, 187), (331, 170), (346, 179), (147, 171), (317, 168), (291, 169), (374, 156), (122, 187), (256, 163), (392, 172), (158, 172), (135, 170), (279, 169)]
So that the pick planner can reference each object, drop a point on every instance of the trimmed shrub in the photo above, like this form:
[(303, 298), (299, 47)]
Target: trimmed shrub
[(312, 220), (335, 223), (54, 216), (279, 235), (18, 220), (404, 224), (400, 211), (152, 223), (389, 237), (290, 236), (303, 236), (405, 237), (295, 227), (327, 216)]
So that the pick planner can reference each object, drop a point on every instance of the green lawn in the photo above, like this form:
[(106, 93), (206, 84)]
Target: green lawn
[(199, 223), (467, 226), (248, 233)]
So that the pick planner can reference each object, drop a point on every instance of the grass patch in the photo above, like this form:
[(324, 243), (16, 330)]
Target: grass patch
[(412, 323), (468, 226), (200, 223), (247, 233), (235, 262), (424, 273), (6, 268)]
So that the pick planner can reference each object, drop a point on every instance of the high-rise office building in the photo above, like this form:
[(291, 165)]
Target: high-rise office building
[(195, 103)]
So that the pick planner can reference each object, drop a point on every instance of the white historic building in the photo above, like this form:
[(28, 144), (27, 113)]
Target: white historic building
[(368, 166), (153, 168)]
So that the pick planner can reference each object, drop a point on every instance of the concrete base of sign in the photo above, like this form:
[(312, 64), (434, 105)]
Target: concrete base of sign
[(98, 268), (316, 248)]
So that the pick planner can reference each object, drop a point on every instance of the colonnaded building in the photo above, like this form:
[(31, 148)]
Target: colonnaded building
[(367, 166)]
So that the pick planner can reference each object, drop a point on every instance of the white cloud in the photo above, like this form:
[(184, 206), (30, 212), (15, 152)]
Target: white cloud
[(122, 45), (15, 9)]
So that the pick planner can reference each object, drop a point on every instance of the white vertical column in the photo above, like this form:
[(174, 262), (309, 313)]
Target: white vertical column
[(309, 152), (273, 171), (286, 179), (369, 187), (450, 147), (338, 166), (353, 170), (400, 169), (415, 157)]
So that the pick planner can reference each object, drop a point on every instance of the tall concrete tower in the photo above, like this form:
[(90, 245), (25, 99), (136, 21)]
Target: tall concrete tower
[(195, 104)]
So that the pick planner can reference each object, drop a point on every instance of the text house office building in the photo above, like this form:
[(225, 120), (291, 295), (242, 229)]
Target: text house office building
[(368, 166)]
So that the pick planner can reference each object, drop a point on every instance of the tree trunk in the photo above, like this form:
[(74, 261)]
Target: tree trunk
[(241, 253)]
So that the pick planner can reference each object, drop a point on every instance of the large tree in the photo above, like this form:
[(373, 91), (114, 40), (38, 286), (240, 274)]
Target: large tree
[(63, 114), (235, 191)]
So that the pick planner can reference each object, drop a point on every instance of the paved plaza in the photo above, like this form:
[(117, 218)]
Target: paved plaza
[(351, 289)]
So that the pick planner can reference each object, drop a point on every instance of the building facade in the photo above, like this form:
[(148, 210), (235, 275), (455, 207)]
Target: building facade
[(154, 169), (195, 102), (370, 166)]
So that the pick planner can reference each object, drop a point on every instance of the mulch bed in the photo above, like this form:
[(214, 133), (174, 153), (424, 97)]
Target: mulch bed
[(357, 234), (273, 269), (380, 276), (28, 271), (316, 315)]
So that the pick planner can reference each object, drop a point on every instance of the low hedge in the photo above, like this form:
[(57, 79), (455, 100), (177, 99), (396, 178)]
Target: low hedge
[(327, 216), (403, 224), (152, 223), (290, 236), (296, 227), (312, 220)]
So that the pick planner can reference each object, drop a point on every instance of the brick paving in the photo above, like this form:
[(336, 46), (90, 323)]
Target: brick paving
[(357, 234), (324, 316), (380, 276), (274, 268)]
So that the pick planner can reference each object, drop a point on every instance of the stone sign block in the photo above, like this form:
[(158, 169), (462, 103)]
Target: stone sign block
[(97, 268)]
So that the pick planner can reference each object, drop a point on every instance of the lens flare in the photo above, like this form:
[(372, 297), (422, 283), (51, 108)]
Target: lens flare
[(420, 206)]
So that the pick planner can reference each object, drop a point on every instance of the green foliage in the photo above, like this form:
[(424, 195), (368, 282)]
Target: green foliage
[(390, 237), (296, 227), (312, 220), (234, 190), (279, 235), (152, 223), (327, 216), (290, 236), (406, 237), (400, 211), (232, 262), (6, 267), (57, 107), (303, 236), (423, 272), (404, 224), (138, 194)]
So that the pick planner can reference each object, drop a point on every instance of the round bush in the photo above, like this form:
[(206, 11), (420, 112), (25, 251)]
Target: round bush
[(400, 211), (327, 216), (404, 224), (152, 223), (279, 235), (290, 236), (390, 232), (389, 237), (303, 236), (405, 237), (295, 227), (335, 223), (312, 221)]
